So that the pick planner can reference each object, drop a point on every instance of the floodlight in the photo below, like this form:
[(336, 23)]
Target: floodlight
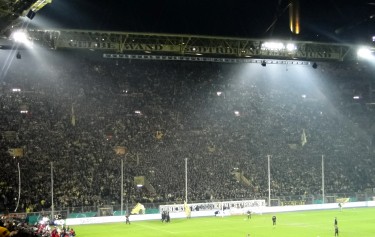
[(19, 36), (291, 47), (364, 53), (273, 46)]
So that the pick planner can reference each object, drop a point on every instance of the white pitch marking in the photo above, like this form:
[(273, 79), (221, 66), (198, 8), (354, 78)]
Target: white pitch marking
[(171, 232)]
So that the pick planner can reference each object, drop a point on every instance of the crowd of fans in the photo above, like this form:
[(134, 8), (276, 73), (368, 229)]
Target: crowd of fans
[(18, 226), (78, 107)]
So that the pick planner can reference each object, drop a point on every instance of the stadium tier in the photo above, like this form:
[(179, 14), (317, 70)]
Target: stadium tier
[(84, 114)]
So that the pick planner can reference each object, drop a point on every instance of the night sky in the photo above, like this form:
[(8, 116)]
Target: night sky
[(321, 20)]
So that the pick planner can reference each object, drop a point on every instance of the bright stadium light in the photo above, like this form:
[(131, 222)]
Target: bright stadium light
[(273, 46), (291, 47), (21, 37), (365, 53), (276, 46)]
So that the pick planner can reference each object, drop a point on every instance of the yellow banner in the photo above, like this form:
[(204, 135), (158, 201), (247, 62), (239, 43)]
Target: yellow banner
[(16, 152), (342, 200), (120, 150)]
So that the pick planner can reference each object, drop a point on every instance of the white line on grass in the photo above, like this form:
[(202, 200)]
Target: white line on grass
[(153, 228)]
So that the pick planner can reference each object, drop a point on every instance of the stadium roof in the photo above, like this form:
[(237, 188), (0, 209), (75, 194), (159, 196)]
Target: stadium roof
[(327, 30), (334, 21), (320, 20), (12, 10)]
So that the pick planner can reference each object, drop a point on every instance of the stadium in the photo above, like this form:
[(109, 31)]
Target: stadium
[(219, 133)]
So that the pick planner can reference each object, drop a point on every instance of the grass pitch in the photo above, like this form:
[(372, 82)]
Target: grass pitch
[(356, 222)]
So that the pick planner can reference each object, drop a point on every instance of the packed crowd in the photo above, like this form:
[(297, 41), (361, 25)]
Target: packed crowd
[(11, 226), (78, 107)]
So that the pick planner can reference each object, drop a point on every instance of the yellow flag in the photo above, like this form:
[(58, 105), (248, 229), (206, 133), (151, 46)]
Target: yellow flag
[(159, 135), (138, 209), (120, 150), (187, 209), (139, 181), (16, 152), (342, 200), (211, 149)]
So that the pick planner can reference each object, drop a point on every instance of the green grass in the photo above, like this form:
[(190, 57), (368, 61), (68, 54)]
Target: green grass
[(358, 222)]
